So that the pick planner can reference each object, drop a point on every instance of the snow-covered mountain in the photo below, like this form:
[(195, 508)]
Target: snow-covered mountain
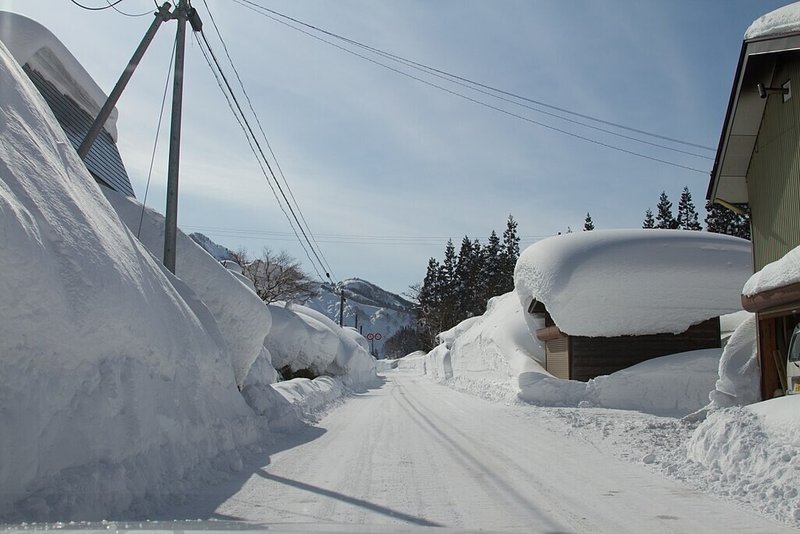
[(218, 251), (368, 308)]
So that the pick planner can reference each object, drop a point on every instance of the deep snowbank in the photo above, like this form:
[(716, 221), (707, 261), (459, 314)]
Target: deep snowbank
[(115, 385), (753, 454), (303, 338), (243, 319)]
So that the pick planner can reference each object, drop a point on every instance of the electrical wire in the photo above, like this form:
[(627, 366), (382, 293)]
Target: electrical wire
[(155, 141), (101, 8), (481, 103), (323, 261), (448, 75), (255, 147), (132, 15)]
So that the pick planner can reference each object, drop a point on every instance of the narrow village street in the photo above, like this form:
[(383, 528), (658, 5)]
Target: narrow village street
[(415, 453)]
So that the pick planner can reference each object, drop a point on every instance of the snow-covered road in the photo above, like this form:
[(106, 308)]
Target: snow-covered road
[(417, 453)]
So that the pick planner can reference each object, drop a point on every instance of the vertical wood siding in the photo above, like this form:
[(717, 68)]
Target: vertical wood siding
[(773, 179), (557, 357)]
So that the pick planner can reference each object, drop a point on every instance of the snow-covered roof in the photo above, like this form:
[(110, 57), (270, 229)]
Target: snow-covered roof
[(783, 20), (633, 282), (780, 273), (31, 43)]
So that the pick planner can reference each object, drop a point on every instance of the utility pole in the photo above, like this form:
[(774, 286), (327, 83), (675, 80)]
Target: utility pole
[(341, 307), (183, 12), (162, 15)]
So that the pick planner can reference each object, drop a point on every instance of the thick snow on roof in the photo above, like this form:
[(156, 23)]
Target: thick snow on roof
[(633, 282), (780, 273), (783, 20), (30, 42)]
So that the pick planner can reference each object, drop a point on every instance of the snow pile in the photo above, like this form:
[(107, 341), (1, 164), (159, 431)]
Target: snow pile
[(310, 396), (753, 454), (633, 282), (243, 319), (780, 273), (739, 374), (783, 20), (30, 42), (116, 388), (304, 339)]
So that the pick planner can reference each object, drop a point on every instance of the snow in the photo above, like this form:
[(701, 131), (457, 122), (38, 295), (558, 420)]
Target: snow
[(779, 273), (633, 282), (30, 42), (243, 319), (303, 338), (120, 390), (117, 391), (783, 20), (739, 375)]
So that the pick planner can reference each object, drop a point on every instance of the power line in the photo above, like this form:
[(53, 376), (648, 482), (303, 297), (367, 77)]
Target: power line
[(480, 102), (236, 109), (133, 15), (450, 76), (101, 8), (323, 262)]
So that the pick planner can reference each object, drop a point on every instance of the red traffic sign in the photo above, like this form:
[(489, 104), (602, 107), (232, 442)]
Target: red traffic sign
[(376, 336)]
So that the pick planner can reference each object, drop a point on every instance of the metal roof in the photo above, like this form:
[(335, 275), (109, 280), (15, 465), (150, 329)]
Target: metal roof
[(103, 161)]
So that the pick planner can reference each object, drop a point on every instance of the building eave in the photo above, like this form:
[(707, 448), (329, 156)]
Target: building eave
[(743, 117)]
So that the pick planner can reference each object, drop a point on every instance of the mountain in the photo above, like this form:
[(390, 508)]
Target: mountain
[(368, 308), (218, 251)]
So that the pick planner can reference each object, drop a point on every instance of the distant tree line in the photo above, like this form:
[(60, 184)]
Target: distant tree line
[(718, 220), (459, 286)]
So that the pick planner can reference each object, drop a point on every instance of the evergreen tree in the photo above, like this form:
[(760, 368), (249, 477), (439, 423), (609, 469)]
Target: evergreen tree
[(448, 285), (649, 222), (664, 217), (721, 220), (587, 223), (491, 266), (509, 255), (466, 279), (687, 215), (429, 305)]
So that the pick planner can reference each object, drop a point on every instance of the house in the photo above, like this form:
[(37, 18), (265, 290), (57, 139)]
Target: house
[(757, 167), (604, 300), (70, 92)]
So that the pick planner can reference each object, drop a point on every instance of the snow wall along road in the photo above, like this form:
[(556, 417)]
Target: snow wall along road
[(116, 386)]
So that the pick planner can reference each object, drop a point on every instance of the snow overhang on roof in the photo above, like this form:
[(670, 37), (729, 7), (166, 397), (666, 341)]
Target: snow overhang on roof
[(771, 34), (607, 283), (31, 43), (776, 287)]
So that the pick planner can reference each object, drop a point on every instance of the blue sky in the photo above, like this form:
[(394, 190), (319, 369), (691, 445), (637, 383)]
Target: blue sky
[(386, 168)]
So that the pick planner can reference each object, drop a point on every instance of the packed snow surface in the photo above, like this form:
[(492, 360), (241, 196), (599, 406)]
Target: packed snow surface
[(116, 383), (30, 42), (783, 20), (779, 273), (633, 282)]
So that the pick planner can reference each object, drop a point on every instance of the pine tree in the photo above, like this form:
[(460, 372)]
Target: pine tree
[(588, 225), (664, 217), (466, 279), (649, 222), (491, 266), (687, 215), (721, 220), (509, 255)]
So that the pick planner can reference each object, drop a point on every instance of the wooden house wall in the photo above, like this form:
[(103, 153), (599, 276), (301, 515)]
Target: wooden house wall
[(594, 356)]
